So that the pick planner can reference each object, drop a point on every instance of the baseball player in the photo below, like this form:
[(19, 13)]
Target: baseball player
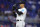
[(21, 15)]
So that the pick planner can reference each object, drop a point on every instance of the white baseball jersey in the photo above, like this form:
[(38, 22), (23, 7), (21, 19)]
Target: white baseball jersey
[(22, 16)]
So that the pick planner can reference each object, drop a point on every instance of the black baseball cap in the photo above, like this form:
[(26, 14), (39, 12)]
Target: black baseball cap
[(22, 2)]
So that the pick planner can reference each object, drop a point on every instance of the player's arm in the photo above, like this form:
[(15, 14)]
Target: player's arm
[(19, 13), (22, 12)]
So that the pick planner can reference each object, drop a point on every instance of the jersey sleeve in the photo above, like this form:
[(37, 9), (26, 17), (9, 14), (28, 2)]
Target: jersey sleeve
[(23, 11)]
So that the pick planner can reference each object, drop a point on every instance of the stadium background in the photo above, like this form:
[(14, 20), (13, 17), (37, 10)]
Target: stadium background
[(32, 18)]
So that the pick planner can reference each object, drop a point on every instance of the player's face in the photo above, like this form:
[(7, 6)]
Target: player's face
[(21, 5)]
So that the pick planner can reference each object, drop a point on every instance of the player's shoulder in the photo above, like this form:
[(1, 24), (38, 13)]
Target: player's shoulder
[(24, 9)]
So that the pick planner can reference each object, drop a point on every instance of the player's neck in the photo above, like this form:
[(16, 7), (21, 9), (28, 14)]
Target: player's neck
[(22, 7)]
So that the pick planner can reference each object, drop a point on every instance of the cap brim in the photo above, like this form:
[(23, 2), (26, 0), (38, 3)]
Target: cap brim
[(21, 3)]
